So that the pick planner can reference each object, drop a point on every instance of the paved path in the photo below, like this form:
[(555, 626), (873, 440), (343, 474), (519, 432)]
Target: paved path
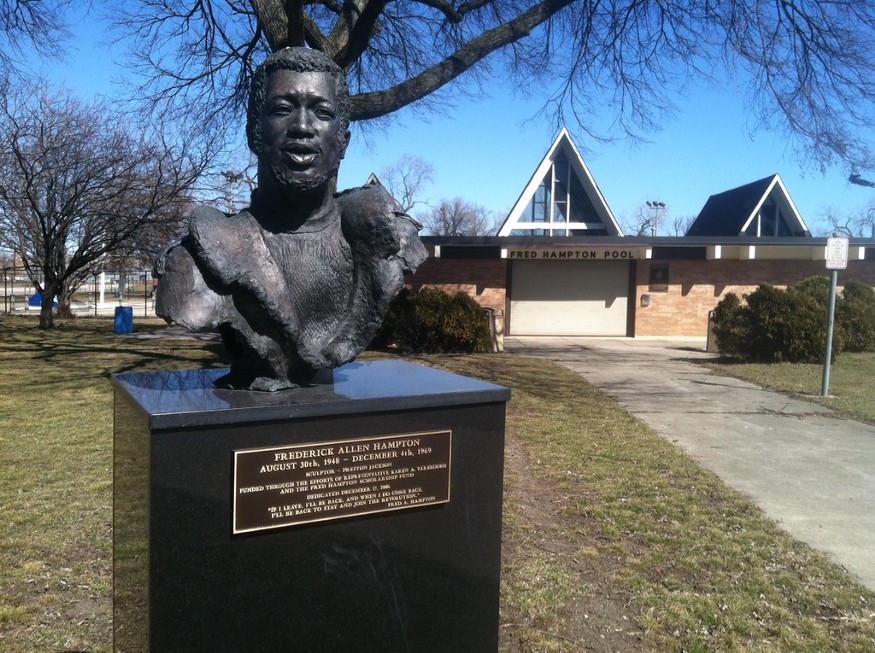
[(812, 472)]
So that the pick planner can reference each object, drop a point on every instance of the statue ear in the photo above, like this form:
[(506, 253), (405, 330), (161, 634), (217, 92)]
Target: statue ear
[(344, 143)]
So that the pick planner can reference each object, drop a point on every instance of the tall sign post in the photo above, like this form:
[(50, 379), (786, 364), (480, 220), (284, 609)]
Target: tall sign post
[(836, 259)]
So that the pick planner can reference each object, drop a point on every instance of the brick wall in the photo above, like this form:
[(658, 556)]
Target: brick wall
[(695, 287), (483, 279)]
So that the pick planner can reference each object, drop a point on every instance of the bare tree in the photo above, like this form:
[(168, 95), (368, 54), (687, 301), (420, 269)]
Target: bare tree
[(807, 63), (235, 188), (858, 224), (76, 185), (642, 223), (405, 180), (456, 217), (650, 219), (28, 26), (681, 224)]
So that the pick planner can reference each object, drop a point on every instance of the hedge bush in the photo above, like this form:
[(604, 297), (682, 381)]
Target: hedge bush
[(790, 325), (729, 327), (432, 321), (856, 316), (786, 325)]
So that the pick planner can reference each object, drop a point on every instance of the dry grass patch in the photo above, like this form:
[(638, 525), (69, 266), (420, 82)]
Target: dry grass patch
[(850, 387), (696, 565), (613, 539), (56, 476)]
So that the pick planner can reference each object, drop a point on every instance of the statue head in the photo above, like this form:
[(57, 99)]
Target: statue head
[(301, 60)]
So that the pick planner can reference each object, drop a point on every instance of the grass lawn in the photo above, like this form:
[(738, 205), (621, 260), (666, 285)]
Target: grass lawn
[(613, 539), (850, 386)]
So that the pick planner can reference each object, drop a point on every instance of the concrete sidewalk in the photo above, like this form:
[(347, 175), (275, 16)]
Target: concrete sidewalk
[(811, 471)]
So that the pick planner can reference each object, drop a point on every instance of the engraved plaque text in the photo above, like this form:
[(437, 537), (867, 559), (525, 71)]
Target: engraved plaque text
[(298, 484)]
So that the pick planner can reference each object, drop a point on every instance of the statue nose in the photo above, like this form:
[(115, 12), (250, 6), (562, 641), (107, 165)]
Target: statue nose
[(300, 121)]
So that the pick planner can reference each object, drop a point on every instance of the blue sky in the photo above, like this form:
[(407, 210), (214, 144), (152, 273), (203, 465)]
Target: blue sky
[(485, 150)]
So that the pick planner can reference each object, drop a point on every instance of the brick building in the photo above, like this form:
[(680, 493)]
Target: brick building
[(562, 266)]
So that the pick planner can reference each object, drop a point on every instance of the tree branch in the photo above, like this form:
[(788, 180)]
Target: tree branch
[(273, 20), (366, 106), (360, 34)]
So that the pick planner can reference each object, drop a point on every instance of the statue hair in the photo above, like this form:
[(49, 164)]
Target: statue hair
[(301, 60)]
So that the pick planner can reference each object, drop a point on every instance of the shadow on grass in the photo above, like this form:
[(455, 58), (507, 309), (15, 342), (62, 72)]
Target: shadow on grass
[(81, 351)]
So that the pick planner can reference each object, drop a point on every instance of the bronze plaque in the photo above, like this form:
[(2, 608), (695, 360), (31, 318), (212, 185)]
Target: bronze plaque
[(303, 483), (658, 277)]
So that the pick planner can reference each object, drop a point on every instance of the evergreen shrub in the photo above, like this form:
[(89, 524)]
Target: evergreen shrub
[(815, 287), (775, 325), (786, 325), (729, 326), (432, 321), (855, 315)]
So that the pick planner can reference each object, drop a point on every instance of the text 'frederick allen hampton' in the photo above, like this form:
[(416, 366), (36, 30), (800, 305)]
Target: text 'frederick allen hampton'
[(284, 486)]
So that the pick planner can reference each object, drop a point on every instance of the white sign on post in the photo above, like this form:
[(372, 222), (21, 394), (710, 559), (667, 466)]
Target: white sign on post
[(836, 259), (836, 253)]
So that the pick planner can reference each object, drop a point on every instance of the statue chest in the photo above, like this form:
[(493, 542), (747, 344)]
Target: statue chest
[(318, 271)]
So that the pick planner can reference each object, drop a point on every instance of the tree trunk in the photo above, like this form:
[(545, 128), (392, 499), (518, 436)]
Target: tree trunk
[(64, 310), (274, 20), (46, 312)]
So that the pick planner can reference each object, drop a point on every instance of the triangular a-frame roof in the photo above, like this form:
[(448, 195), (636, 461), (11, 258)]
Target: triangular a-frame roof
[(561, 198), (760, 208)]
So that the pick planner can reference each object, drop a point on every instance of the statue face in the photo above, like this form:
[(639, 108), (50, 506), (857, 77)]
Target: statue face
[(301, 141)]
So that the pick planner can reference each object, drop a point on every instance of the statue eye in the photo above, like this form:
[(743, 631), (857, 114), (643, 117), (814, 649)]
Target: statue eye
[(279, 109), (324, 113)]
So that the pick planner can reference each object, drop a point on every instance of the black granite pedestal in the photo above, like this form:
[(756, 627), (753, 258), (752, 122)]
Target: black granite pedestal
[(363, 515)]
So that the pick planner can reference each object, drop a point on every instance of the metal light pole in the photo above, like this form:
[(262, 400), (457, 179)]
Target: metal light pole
[(656, 205)]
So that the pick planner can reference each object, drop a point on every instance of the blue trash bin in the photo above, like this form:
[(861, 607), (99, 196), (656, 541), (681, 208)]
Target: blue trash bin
[(124, 320)]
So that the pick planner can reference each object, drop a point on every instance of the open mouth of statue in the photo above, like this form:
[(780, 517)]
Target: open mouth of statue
[(299, 156)]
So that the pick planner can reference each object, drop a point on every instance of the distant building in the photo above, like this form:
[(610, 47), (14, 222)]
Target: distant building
[(761, 209), (561, 266), (561, 199)]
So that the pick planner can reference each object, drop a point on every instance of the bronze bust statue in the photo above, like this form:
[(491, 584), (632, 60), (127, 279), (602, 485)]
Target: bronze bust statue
[(299, 282)]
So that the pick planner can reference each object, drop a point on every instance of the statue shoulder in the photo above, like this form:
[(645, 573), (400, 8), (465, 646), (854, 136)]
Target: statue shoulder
[(373, 197), (224, 242), (206, 224), (200, 220), (374, 222)]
